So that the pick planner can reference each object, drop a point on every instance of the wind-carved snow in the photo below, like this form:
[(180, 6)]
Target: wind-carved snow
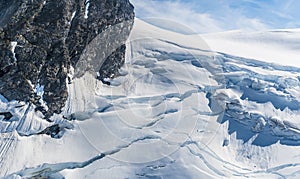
[(177, 109)]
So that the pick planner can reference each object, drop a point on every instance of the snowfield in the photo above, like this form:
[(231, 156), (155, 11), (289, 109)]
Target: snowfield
[(273, 46), (223, 105)]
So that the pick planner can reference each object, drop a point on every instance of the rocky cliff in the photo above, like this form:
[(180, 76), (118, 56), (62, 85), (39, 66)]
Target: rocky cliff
[(46, 43)]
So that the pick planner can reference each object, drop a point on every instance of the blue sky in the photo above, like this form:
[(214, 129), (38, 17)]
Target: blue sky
[(205, 16)]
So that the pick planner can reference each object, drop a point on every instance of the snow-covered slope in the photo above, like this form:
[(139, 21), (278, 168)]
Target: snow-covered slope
[(274, 46), (178, 110)]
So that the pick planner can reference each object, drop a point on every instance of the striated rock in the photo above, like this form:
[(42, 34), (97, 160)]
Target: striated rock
[(40, 41)]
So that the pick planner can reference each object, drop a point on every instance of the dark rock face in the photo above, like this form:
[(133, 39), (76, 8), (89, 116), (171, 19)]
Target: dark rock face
[(55, 131), (41, 40), (6, 115)]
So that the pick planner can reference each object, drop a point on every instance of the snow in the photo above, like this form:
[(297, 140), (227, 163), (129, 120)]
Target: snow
[(178, 110), (276, 46), (13, 47), (39, 91), (72, 17), (86, 11)]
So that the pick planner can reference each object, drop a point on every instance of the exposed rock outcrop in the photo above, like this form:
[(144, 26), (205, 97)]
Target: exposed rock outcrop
[(41, 40), (6, 115)]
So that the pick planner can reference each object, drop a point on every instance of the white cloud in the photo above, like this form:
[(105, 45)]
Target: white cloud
[(288, 5), (221, 16), (181, 13), (251, 24)]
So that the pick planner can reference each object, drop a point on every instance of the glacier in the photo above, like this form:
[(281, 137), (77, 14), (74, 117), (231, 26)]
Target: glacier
[(184, 106)]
